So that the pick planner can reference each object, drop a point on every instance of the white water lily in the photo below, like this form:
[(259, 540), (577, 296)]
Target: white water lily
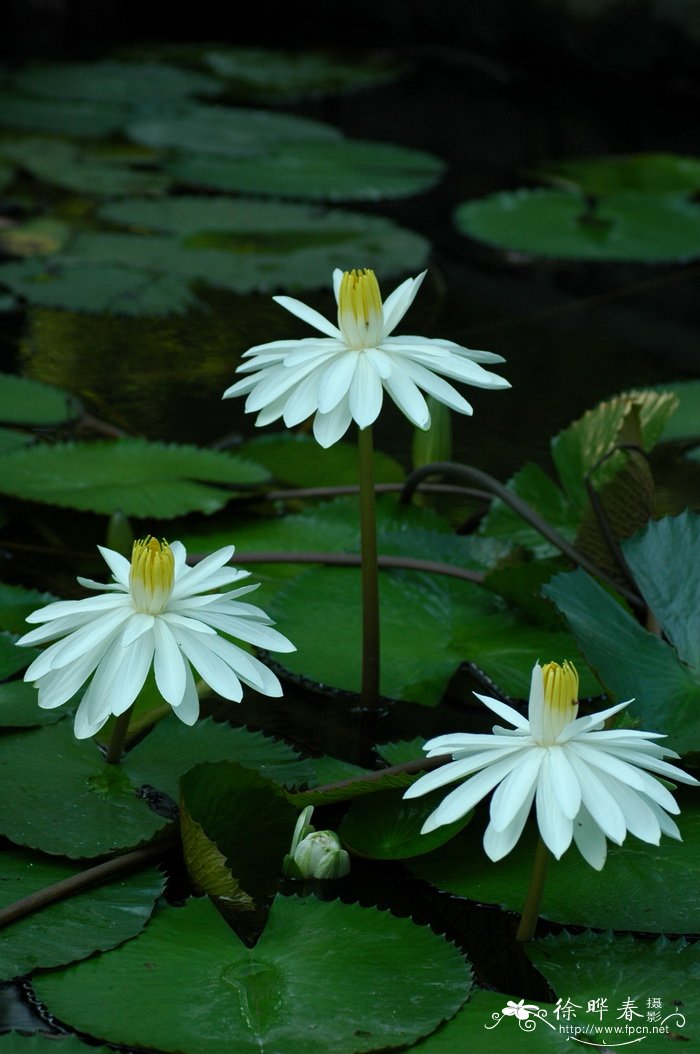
[(343, 377), (588, 783), (157, 612)]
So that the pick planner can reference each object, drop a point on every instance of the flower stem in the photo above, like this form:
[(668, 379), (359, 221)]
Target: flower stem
[(370, 572), (528, 919), (116, 743)]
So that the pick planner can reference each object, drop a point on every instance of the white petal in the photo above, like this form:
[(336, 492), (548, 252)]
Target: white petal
[(556, 828), (397, 303), (498, 844), (460, 801), (188, 708), (599, 801), (518, 786), (437, 387), (408, 398), (139, 622), (59, 686), (303, 401), (336, 380), (211, 668), (330, 427), (195, 579), (168, 664), (250, 632), (307, 314), (365, 393), (460, 769), (506, 712), (118, 565), (590, 840), (66, 609)]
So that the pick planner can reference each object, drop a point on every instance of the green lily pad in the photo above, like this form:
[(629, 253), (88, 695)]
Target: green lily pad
[(631, 662), (663, 560), (45, 1043), (18, 707), (16, 603), (685, 422), (115, 82), (296, 461), (133, 476), (58, 795), (650, 228), (82, 118), (323, 976), (227, 131), (221, 803), (86, 171), (260, 73), (385, 827), (605, 984), (29, 402), (12, 658), (430, 624), (345, 170), (646, 173), (630, 893), (79, 285), (73, 928)]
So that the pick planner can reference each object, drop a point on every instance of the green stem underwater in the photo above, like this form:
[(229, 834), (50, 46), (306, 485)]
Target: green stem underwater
[(370, 572), (531, 910), (116, 743)]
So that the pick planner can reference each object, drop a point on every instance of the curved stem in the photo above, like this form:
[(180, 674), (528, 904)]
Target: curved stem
[(67, 887), (449, 468), (407, 767), (370, 572), (531, 910), (407, 563), (116, 743)]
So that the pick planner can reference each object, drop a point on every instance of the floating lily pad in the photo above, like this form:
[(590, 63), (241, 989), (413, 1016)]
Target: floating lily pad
[(28, 402), (685, 421), (78, 285), (45, 1043), (346, 170), (16, 603), (12, 658), (259, 73), (651, 228), (132, 476), (58, 795), (19, 709), (227, 131), (385, 827), (613, 992), (91, 172), (630, 893), (82, 118), (73, 928), (429, 626), (295, 460), (646, 173), (116, 82), (323, 976)]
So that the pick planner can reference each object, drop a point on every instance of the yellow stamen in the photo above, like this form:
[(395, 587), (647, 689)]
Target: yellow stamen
[(560, 691), (152, 575), (360, 315)]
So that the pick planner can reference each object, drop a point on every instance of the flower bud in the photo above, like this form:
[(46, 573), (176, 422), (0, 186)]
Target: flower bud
[(320, 855)]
